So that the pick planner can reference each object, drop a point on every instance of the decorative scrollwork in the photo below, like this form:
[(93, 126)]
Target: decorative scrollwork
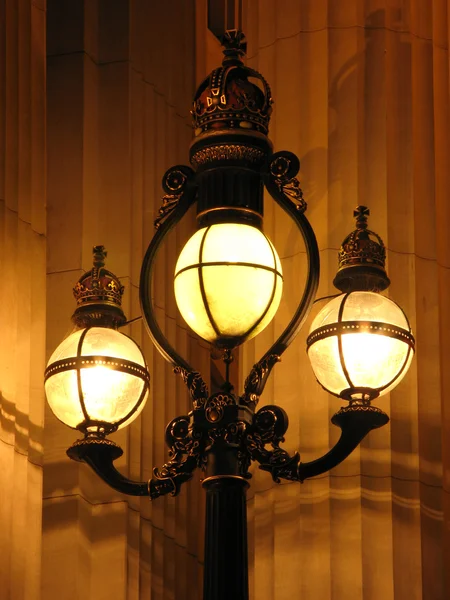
[(256, 380), (269, 426), (198, 389), (232, 433), (226, 152), (173, 183), (186, 454), (214, 408), (283, 168), (271, 423)]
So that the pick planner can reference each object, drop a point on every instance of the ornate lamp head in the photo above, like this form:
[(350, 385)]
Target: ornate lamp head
[(231, 113), (98, 293), (361, 344), (362, 258)]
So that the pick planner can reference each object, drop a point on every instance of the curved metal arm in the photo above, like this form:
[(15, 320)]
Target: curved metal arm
[(100, 454), (355, 422), (271, 423), (179, 181), (284, 188)]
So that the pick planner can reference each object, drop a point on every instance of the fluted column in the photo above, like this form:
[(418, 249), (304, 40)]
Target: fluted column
[(361, 95), (22, 308)]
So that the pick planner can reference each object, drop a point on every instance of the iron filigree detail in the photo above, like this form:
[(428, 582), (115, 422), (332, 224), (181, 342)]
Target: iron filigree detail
[(269, 426), (283, 168), (186, 454), (256, 380), (198, 389), (174, 184), (215, 406), (227, 152), (230, 434)]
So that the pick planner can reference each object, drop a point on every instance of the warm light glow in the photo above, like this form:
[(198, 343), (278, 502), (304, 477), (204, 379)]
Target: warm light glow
[(111, 389), (226, 303), (372, 357)]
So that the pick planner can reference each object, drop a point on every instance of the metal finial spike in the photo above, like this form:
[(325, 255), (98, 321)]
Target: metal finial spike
[(100, 254), (361, 213), (235, 44)]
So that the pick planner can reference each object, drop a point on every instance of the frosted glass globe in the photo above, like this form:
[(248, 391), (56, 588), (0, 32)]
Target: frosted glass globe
[(228, 283), (97, 380), (360, 340)]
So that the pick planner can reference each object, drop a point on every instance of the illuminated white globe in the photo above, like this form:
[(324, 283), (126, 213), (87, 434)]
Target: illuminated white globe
[(97, 380), (360, 345), (228, 283)]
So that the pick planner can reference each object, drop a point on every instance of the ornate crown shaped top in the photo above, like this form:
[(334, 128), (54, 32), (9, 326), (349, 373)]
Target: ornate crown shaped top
[(233, 96), (98, 286), (362, 258), (362, 246)]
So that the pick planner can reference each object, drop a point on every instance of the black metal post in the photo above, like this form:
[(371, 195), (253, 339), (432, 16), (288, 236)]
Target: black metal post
[(226, 555)]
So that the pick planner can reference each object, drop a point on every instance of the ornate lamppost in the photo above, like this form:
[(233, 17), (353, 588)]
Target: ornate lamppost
[(228, 284)]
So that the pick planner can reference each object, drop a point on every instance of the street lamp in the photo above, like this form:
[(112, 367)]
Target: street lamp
[(228, 284)]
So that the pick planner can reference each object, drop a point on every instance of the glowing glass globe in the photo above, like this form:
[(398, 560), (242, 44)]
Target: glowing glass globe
[(97, 380), (228, 283), (360, 345)]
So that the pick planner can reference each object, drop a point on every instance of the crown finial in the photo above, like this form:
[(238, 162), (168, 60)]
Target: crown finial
[(234, 100), (235, 45), (362, 258), (98, 293)]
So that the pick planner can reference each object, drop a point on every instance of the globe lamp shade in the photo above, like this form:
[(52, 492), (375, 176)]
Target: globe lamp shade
[(228, 283), (97, 381), (360, 345)]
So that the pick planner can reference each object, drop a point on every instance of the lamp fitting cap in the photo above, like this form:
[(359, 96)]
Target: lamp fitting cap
[(362, 258), (98, 293)]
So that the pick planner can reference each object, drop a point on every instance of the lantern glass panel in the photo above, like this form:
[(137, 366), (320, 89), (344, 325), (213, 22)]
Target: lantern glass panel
[(372, 360), (228, 282), (109, 393)]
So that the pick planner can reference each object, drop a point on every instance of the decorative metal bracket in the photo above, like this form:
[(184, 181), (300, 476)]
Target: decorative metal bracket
[(283, 168), (271, 423), (182, 178), (174, 184)]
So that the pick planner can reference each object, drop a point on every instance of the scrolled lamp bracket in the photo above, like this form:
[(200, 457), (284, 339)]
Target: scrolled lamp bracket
[(185, 455), (271, 423)]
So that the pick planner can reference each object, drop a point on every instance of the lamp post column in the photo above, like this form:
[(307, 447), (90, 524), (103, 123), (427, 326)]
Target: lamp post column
[(226, 555)]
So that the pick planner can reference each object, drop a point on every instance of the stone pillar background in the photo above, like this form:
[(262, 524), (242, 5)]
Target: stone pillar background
[(361, 95), (22, 309)]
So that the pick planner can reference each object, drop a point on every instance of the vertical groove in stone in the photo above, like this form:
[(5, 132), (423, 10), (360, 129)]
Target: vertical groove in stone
[(22, 311), (370, 125)]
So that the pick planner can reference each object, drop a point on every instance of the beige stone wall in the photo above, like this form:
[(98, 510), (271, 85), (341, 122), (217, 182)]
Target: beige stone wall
[(361, 95), (22, 309)]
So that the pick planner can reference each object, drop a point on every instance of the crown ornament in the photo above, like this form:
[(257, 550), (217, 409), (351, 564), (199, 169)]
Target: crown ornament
[(98, 293), (362, 258), (234, 96)]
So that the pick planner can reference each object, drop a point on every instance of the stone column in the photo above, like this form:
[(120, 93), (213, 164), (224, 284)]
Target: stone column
[(22, 309), (361, 95)]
